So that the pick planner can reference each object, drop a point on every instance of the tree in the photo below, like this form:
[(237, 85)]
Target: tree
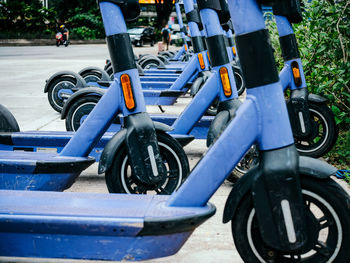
[(67, 8), (163, 9), (24, 16)]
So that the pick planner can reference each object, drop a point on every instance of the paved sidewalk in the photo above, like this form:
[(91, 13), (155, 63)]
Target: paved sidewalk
[(23, 71)]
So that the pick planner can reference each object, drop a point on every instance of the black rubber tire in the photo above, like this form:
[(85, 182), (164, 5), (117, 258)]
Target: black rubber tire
[(318, 112), (110, 72), (239, 80), (152, 43), (328, 194), (213, 108), (52, 94), (148, 63), (108, 64), (91, 76), (249, 161), (81, 107), (173, 155), (8, 122), (325, 131)]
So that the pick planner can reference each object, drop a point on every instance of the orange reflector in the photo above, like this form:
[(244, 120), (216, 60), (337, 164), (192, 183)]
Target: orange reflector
[(225, 82), (186, 47), (296, 74), (201, 61), (208, 56), (127, 91), (234, 51)]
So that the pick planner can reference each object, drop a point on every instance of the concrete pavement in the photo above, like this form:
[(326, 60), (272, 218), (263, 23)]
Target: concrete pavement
[(23, 71)]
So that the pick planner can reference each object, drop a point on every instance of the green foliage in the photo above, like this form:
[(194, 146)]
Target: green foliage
[(340, 154), (86, 25), (28, 17), (324, 42)]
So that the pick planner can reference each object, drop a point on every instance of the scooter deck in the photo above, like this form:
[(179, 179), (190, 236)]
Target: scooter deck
[(39, 171), (54, 141), (161, 71), (94, 226)]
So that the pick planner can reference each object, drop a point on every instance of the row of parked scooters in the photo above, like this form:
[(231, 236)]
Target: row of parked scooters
[(285, 207)]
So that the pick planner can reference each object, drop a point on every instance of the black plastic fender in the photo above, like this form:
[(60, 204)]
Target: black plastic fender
[(8, 122), (200, 80), (139, 69), (110, 72), (316, 98), (104, 75), (226, 112), (196, 85), (143, 57), (308, 166), (163, 59), (165, 54), (113, 146), (81, 93), (160, 63), (299, 114), (79, 84)]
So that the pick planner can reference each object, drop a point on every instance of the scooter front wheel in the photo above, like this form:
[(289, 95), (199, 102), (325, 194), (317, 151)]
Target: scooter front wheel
[(327, 206), (249, 161), (324, 132), (91, 76), (239, 80), (120, 179), (59, 90), (79, 111), (151, 63)]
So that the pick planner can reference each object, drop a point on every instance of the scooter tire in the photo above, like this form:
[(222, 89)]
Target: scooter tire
[(8, 122), (320, 195), (91, 76), (80, 109), (213, 108), (55, 101), (119, 178), (249, 161), (239, 80), (324, 132), (149, 63)]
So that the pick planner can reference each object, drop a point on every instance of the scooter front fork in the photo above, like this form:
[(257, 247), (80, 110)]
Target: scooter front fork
[(299, 115), (143, 150), (278, 202)]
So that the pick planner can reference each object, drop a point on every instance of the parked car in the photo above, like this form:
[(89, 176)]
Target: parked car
[(142, 35), (176, 39), (175, 36)]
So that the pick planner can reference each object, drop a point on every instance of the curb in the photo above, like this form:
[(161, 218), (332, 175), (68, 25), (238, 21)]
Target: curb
[(45, 42)]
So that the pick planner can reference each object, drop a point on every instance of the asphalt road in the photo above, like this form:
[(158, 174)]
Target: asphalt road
[(23, 71)]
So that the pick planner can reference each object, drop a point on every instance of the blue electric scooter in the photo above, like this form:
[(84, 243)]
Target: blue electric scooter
[(184, 128), (313, 124), (151, 167), (63, 84), (272, 208)]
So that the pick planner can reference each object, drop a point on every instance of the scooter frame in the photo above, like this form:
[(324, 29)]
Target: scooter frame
[(264, 112)]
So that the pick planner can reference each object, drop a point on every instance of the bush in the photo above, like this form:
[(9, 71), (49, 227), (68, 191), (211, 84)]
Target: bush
[(86, 25), (26, 19)]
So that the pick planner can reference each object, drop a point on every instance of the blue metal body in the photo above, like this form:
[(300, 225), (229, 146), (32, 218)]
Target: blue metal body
[(263, 113), (91, 226), (184, 47), (109, 227), (54, 141)]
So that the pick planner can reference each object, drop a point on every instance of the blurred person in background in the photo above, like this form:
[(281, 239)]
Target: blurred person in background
[(166, 36)]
